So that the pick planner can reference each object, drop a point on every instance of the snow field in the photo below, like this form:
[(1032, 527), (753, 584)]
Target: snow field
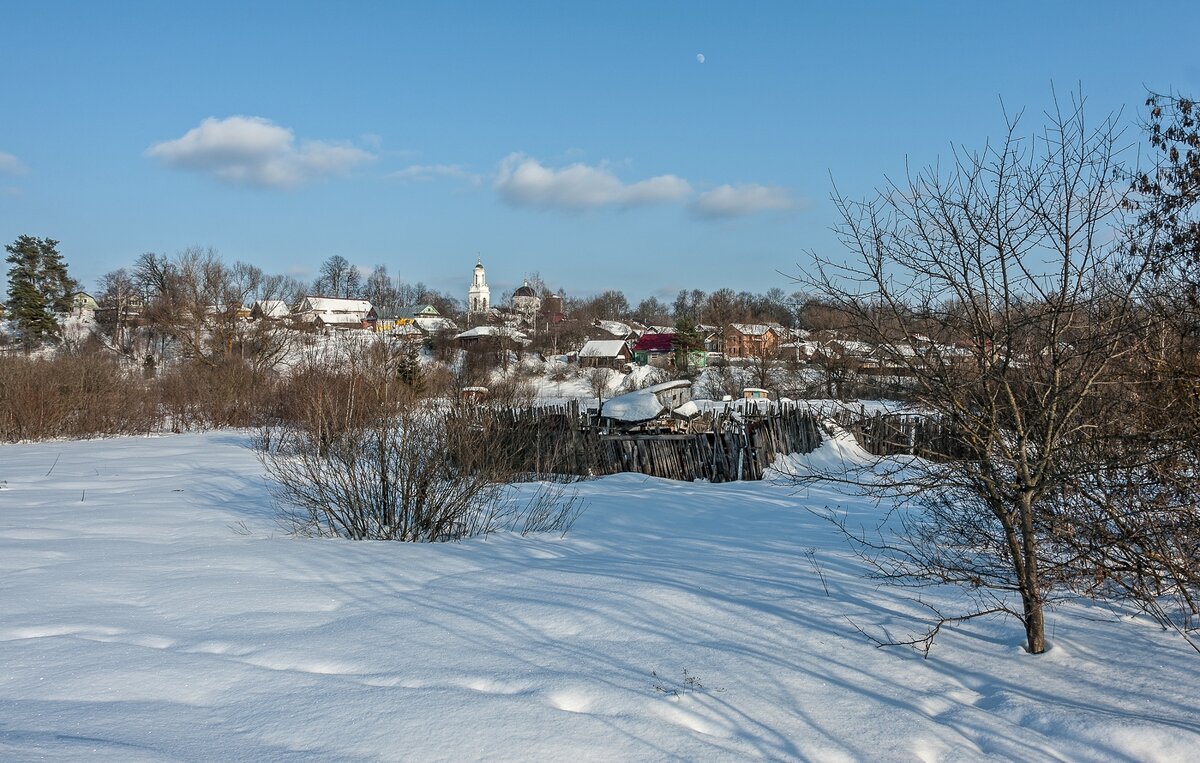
[(152, 610)]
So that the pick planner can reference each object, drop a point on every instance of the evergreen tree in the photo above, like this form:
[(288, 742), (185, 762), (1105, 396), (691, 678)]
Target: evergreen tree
[(38, 287), (685, 339), (409, 368)]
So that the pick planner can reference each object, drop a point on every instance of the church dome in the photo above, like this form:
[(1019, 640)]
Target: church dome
[(524, 291)]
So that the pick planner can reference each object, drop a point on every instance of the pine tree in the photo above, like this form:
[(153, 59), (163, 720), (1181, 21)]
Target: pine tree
[(685, 339), (38, 287), (409, 368)]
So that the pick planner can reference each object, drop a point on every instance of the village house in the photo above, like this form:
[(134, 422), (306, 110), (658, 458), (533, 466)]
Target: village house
[(332, 312), (83, 303), (221, 313), (269, 310), (491, 339), (614, 330), (384, 320), (750, 340), (654, 349), (426, 318), (605, 353)]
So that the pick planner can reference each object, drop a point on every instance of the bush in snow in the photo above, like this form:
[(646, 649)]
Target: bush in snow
[(417, 474)]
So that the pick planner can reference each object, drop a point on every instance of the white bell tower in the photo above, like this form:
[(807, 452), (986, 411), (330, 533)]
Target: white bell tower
[(479, 296)]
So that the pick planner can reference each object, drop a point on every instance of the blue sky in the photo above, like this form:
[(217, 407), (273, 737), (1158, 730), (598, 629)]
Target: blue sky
[(585, 142)]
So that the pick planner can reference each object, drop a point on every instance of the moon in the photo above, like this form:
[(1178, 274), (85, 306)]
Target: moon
[(700, 57)]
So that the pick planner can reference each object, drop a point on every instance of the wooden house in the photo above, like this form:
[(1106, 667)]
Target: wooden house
[(491, 339), (654, 349), (269, 310), (83, 303), (333, 312), (605, 353), (614, 330), (750, 340)]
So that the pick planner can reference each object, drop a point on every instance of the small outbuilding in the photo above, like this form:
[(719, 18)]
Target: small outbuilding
[(605, 353)]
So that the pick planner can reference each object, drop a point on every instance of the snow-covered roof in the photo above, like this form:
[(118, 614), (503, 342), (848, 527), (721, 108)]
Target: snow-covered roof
[(633, 407), (603, 348), (640, 405), (753, 329), (855, 347), (616, 328), (337, 305), (434, 324), (654, 342), (688, 410), (273, 308), (479, 332)]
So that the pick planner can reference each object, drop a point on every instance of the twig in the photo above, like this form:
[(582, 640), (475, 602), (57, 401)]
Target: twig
[(812, 558), (54, 464)]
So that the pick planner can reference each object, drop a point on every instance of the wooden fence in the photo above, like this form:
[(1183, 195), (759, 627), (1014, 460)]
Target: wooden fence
[(891, 434), (561, 440)]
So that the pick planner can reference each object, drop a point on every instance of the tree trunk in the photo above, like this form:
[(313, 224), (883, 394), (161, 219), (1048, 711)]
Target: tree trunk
[(1035, 623), (1030, 581)]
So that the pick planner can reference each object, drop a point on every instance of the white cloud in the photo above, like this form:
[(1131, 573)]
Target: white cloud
[(422, 172), (524, 181), (11, 165), (253, 151), (740, 200)]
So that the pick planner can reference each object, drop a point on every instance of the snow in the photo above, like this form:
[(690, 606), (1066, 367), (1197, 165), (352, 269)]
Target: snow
[(603, 348), (633, 407), (640, 405), (273, 308), (688, 410), (433, 324), (336, 305), (616, 328), (751, 329), (499, 331), (152, 610)]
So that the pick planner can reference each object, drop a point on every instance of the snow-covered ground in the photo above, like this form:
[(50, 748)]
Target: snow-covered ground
[(150, 609)]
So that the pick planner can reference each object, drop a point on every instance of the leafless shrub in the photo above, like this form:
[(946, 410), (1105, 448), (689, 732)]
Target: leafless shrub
[(220, 394), (512, 391), (416, 474), (71, 396)]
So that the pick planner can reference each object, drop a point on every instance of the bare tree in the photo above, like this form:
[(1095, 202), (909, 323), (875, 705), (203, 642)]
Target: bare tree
[(1005, 259), (379, 290), (338, 278), (599, 381), (117, 295)]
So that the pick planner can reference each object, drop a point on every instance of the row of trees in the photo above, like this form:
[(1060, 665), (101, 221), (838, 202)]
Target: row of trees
[(339, 278), (719, 308), (1075, 401)]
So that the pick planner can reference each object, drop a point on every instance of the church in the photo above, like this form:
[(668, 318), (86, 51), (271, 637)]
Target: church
[(522, 310)]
